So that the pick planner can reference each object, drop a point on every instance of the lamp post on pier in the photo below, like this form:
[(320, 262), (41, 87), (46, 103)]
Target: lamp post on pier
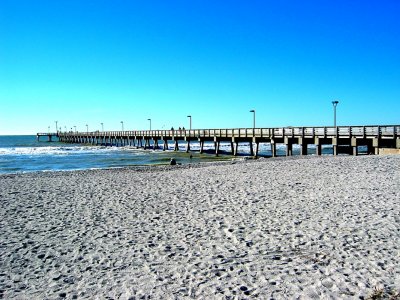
[(102, 127), (122, 124), (75, 128), (56, 127), (87, 128), (150, 122), (190, 122), (334, 103), (48, 130), (254, 118)]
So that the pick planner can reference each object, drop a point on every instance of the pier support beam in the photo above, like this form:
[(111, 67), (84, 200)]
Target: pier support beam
[(235, 151), (165, 145), (303, 149), (354, 145), (257, 147), (188, 147), (289, 141), (355, 150), (216, 148), (146, 144), (201, 147), (176, 148), (318, 149), (289, 149), (335, 150), (375, 144), (335, 147), (273, 149), (251, 149)]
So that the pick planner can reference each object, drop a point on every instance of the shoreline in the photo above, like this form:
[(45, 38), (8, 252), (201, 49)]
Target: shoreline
[(285, 227), (229, 159), (24, 155)]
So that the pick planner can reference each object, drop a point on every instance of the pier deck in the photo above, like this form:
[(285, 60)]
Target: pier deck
[(340, 137), (48, 135)]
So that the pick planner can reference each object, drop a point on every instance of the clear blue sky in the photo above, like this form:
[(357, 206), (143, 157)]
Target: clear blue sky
[(87, 62)]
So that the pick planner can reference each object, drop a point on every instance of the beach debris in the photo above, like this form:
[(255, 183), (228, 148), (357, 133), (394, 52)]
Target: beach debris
[(172, 162)]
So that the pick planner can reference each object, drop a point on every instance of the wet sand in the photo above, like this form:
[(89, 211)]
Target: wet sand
[(298, 228)]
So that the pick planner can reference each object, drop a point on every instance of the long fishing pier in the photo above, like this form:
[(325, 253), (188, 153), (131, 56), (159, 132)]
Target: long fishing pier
[(342, 138)]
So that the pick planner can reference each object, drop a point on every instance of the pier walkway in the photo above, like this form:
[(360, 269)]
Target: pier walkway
[(49, 136), (342, 138)]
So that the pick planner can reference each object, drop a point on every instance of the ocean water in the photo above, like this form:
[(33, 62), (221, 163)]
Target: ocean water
[(19, 154)]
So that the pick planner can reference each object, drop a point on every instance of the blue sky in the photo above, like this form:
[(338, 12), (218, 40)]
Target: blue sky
[(87, 62)]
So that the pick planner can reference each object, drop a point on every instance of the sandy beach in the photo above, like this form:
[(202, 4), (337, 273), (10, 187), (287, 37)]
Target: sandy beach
[(287, 228)]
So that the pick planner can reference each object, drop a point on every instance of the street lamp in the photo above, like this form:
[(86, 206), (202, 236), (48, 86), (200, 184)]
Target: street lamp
[(122, 123), (190, 122), (87, 128), (334, 103), (75, 128), (150, 122), (254, 118), (48, 130), (102, 127), (56, 126)]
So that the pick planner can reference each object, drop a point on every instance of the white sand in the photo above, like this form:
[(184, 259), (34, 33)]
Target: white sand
[(308, 228)]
